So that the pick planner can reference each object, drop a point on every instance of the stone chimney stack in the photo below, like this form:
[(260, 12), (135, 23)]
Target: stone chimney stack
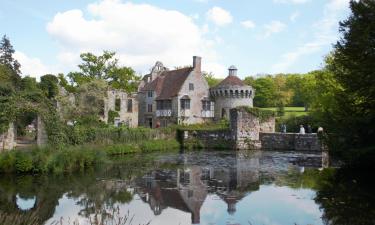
[(197, 63), (232, 71)]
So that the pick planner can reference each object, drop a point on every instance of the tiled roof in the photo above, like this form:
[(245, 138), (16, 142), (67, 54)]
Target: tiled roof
[(231, 81), (168, 83)]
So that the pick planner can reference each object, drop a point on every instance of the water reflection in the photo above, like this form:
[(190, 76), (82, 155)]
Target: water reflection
[(191, 188)]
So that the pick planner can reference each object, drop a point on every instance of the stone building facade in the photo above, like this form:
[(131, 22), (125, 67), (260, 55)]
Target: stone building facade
[(230, 93), (126, 105), (178, 96)]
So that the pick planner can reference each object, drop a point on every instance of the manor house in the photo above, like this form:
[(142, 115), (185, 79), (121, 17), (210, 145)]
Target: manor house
[(182, 96)]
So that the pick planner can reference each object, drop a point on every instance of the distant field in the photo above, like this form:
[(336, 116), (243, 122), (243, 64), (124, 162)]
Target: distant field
[(289, 111)]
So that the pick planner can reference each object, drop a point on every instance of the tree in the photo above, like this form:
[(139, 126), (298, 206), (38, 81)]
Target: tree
[(265, 92), (124, 78), (94, 67), (211, 80), (6, 55), (49, 85), (353, 69)]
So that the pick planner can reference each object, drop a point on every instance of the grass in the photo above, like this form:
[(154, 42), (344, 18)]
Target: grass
[(291, 111), (74, 158)]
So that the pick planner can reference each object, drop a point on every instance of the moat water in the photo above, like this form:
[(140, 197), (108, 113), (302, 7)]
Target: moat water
[(192, 188)]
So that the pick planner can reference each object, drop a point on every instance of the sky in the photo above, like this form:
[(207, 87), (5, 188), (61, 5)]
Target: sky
[(257, 36)]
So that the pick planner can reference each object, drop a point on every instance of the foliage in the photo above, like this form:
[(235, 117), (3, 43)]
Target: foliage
[(75, 158), (293, 123), (262, 114), (6, 56), (49, 85), (124, 78), (211, 80), (220, 125), (111, 116), (348, 107)]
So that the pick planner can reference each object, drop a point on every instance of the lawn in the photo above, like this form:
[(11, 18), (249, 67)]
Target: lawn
[(289, 111)]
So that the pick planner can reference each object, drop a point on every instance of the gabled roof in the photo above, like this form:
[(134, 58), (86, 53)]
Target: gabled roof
[(168, 83), (231, 81)]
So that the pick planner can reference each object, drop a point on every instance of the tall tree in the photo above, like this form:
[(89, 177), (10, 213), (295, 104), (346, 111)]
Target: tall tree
[(124, 78), (353, 67), (6, 55), (94, 67)]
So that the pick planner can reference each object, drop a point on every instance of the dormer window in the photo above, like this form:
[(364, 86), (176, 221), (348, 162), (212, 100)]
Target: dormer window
[(150, 94)]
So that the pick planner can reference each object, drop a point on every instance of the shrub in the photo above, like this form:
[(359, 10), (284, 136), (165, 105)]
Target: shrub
[(23, 162)]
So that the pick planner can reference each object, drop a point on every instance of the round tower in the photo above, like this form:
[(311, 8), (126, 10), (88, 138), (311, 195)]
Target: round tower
[(231, 93)]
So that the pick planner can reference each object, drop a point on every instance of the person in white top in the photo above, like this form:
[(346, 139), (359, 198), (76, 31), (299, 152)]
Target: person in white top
[(301, 129)]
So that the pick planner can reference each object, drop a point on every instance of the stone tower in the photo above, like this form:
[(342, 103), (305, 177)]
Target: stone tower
[(231, 93)]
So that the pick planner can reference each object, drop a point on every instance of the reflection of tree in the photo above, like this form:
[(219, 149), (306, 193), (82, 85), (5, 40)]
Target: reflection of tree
[(96, 196), (346, 199)]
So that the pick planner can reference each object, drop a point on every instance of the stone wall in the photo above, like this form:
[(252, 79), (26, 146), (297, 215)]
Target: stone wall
[(206, 139), (7, 139), (246, 127), (127, 116), (290, 141), (42, 138)]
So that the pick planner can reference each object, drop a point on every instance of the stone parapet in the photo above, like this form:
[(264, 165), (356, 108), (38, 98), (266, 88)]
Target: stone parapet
[(290, 141)]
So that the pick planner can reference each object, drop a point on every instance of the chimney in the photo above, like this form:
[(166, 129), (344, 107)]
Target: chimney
[(197, 63), (232, 71)]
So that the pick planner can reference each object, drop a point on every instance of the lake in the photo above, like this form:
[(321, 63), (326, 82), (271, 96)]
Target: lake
[(191, 188)]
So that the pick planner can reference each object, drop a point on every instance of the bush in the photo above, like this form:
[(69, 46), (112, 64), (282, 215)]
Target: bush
[(23, 162), (293, 123)]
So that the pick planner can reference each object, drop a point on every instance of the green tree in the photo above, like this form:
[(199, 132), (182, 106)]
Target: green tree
[(6, 55), (353, 68), (49, 85), (211, 80), (124, 78), (265, 92), (94, 67)]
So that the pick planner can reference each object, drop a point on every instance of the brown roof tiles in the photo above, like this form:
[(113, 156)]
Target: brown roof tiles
[(231, 81), (168, 83)]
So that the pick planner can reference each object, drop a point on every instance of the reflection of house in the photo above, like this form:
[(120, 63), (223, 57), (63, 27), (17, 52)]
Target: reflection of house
[(174, 96), (186, 188)]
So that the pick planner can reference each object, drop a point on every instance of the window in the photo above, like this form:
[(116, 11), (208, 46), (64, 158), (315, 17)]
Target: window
[(130, 105), (206, 105), (150, 94), (191, 87), (117, 104), (163, 104), (101, 107), (185, 103), (149, 108)]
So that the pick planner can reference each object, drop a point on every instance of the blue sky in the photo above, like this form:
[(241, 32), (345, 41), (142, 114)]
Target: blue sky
[(258, 36)]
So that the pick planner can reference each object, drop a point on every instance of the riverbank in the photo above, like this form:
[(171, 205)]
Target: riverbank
[(75, 158)]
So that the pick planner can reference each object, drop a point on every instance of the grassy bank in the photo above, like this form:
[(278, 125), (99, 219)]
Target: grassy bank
[(75, 158), (291, 111)]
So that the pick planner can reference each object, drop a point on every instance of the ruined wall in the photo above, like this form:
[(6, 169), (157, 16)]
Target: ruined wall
[(7, 139), (126, 115), (245, 128), (290, 141), (42, 138)]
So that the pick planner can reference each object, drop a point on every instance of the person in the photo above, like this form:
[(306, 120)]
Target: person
[(309, 129), (301, 129), (320, 130), (283, 128)]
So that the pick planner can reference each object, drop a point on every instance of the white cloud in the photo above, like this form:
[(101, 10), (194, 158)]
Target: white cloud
[(248, 24), (325, 33), (291, 1), (273, 27), (32, 67), (293, 17), (140, 34), (219, 16)]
